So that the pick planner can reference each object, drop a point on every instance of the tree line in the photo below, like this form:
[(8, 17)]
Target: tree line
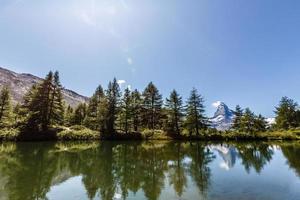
[(111, 111)]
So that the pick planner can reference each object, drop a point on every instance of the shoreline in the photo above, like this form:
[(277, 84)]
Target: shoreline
[(68, 134)]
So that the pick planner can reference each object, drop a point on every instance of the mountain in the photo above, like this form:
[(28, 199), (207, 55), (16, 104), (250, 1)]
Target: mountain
[(223, 117), (19, 84)]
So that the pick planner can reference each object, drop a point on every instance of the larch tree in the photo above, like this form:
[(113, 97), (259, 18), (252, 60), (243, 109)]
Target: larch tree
[(136, 109), (92, 118), (152, 104), (195, 119), (44, 104), (126, 111), (286, 114), (237, 119), (113, 95), (5, 108), (175, 114), (80, 114)]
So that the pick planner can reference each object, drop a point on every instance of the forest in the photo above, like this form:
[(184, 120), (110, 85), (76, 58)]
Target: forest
[(130, 114)]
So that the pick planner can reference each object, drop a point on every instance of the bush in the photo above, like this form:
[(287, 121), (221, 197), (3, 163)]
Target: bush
[(9, 134), (78, 133)]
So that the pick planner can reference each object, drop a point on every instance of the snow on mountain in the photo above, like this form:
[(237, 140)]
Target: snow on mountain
[(271, 121), (19, 84), (223, 117)]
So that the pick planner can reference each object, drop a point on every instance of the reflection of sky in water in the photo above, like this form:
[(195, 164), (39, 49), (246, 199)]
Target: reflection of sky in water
[(229, 180)]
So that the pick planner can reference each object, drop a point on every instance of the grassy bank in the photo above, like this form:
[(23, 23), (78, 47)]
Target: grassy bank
[(75, 133)]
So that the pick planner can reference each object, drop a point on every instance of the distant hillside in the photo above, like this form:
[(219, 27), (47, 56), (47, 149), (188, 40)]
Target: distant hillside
[(19, 84)]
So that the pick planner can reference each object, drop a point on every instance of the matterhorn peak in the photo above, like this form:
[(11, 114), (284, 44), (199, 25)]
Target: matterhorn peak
[(223, 117)]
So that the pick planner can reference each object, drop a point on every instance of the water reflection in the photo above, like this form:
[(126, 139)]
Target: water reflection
[(112, 170)]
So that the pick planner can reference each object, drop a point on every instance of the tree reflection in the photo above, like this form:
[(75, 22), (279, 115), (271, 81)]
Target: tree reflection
[(199, 170), (292, 152), (255, 156), (108, 169)]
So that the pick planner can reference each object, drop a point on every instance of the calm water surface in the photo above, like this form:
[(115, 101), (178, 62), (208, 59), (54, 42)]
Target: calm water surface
[(158, 170)]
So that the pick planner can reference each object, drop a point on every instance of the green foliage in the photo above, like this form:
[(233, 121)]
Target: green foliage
[(126, 113), (136, 109), (93, 110), (9, 134), (287, 114), (69, 116), (113, 95), (238, 116), (195, 119), (247, 122), (5, 108), (79, 114), (175, 114), (44, 104), (78, 133), (151, 108)]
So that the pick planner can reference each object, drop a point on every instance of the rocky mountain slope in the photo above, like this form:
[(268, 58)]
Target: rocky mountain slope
[(19, 84), (223, 117)]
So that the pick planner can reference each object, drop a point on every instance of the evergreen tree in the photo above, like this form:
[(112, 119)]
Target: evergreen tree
[(248, 122), (136, 109), (92, 118), (69, 116), (17, 114), (260, 123), (56, 114), (174, 112), (5, 108), (44, 104), (238, 116), (287, 114), (80, 114), (103, 113), (126, 111), (113, 100), (195, 119), (152, 104)]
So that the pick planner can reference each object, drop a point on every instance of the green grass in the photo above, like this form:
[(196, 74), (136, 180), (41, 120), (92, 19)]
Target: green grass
[(77, 133)]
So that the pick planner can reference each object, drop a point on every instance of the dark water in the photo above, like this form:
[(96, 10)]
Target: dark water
[(158, 170)]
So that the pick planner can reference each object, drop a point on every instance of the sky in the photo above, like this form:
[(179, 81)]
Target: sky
[(238, 52)]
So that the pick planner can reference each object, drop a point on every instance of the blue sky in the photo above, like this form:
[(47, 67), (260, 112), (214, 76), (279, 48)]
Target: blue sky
[(239, 52)]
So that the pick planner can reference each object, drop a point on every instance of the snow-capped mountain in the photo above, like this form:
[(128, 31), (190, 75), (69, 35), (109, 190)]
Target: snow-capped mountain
[(223, 117), (19, 84)]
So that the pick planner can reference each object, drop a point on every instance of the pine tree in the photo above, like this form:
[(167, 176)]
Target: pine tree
[(103, 113), (152, 104), (92, 118), (260, 123), (69, 116), (287, 114), (248, 122), (56, 114), (113, 99), (195, 119), (44, 104), (80, 114), (174, 112), (5, 108), (238, 116), (17, 114), (136, 109), (126, 111)]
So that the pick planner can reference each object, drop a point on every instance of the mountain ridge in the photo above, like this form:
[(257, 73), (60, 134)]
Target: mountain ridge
[(20, 83), (223, 117)]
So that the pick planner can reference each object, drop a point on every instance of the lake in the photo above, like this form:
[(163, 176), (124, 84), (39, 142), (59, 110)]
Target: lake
[(150, 170)]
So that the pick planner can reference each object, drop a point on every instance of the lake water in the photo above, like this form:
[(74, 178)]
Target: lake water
[(150, 170)]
